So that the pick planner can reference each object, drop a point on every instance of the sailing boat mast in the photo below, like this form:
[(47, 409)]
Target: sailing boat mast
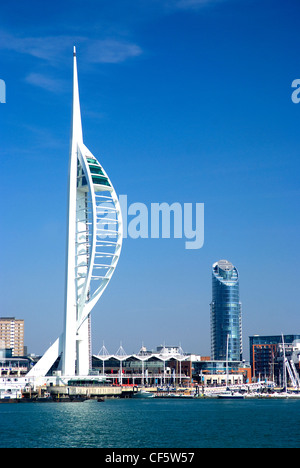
[(284, 366)]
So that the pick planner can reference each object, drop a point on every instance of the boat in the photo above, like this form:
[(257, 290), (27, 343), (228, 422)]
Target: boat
[(229, 395), (286, 395), (174, 395), (143, 394), (12, 388), (9, 396)]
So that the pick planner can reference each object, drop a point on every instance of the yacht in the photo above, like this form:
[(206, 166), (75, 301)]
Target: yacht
[(143, 394), (230, 395), (11, 387)]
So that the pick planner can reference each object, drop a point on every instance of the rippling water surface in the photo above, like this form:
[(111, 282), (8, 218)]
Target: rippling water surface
[(152, 424)]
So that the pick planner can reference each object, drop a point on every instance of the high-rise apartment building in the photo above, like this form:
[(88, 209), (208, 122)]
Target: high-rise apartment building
[(12, 335), (226, 313)]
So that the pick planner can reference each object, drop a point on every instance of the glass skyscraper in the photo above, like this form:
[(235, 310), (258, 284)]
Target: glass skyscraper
[(226, 313)]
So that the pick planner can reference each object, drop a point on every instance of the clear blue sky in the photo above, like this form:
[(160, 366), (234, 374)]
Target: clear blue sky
[(182, 101)]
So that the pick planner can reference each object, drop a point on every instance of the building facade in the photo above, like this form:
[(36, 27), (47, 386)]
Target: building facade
[(226, 313), (267, 356), (220, 373), (169, 366), (12, 335)]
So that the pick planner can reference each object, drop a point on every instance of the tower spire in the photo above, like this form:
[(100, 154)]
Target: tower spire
[(76, 114)]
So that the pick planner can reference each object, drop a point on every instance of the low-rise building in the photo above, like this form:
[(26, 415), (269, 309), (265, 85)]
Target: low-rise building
[(267, 357), (169, 366)]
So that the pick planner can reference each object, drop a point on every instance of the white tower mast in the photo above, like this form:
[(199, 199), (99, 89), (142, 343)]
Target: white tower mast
[(94, 242), (69, 341)]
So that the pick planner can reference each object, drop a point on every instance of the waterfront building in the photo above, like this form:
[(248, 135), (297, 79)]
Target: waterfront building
[(162, 349), (218, 373), (226, 313), (14, 366), (168, 366), (94, 240), (12, 335), (266, 356)]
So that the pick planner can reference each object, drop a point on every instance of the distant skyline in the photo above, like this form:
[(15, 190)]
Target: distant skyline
[(183, 101)]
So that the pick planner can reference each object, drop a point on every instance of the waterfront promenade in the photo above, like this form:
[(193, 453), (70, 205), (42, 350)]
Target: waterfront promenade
[(254, 391)]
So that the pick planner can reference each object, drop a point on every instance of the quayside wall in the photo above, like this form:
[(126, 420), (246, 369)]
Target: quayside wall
[(91, 391)]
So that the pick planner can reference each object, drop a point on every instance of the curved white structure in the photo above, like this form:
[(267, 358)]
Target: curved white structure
[(94, 241)]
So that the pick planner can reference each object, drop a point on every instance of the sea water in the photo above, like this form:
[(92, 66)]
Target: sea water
[(152, 423)]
